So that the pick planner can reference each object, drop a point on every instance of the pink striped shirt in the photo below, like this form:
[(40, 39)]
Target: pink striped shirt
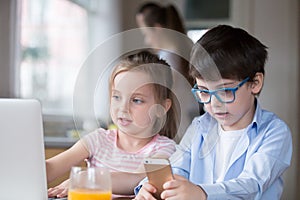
[(102, 146)]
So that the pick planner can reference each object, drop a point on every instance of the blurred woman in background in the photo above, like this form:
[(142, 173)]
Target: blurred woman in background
[(164, 30)]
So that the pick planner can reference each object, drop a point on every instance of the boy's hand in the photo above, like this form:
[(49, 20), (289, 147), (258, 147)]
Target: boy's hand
[(145, 192), (182, 189)]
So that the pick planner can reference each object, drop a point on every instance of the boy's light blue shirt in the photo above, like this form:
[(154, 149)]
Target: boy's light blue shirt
[(256, 166), (257, 163)]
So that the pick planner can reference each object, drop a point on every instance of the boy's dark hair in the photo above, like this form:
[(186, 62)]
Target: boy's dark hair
[(227, 52)]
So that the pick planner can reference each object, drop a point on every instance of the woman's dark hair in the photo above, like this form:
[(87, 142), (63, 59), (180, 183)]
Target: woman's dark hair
[(166, 16)]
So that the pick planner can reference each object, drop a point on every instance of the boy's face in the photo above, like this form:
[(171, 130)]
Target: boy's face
[(236, 115)]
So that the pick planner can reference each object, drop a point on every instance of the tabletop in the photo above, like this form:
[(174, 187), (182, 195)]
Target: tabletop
[(115, 197)]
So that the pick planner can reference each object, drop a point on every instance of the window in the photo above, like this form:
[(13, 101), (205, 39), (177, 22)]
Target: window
[(201, 9), (54, 43), (56, 38), (204, 14), (196, 34), (200, 15)]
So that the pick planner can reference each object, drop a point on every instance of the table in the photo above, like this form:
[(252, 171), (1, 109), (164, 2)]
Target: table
[(115, 197), (119, 197)]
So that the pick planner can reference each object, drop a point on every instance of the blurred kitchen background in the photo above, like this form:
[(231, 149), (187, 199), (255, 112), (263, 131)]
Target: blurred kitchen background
[(44, 45)]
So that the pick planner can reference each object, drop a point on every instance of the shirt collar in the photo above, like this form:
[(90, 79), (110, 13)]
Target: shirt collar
[(256, 121)]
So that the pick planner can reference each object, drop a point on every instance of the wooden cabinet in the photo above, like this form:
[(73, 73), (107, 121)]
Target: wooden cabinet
[(50, 152)]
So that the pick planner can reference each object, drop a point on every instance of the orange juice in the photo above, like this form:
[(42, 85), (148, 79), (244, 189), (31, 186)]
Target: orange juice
[(86, 194)]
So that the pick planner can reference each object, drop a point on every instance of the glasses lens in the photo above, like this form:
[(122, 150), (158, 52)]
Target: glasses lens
[(225, 95), (202, 97)]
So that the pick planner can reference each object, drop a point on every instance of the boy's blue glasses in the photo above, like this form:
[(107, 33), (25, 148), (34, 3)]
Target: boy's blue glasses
[(224, 95)]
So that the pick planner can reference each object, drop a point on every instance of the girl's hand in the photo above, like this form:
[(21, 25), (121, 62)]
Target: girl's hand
[(182, 189), (59, 191), (145, 192)]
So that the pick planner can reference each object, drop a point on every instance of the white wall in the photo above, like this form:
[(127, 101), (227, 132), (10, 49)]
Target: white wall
[(7, 35), (276, 24)]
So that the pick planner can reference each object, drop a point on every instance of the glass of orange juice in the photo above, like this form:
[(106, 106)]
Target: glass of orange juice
[(92, 183)]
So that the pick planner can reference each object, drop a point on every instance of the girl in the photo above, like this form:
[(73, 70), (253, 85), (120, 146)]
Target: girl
[(142, 107)]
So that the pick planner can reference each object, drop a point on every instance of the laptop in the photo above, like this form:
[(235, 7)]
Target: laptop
[(22, 157)]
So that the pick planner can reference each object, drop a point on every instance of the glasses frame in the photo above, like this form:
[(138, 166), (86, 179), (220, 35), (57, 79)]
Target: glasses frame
[(195, 89)]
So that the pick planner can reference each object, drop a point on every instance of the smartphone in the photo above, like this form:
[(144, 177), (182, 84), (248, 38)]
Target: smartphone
[(158, 171)]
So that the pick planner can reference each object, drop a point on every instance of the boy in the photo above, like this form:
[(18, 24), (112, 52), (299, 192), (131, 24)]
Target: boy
[(236, 150)]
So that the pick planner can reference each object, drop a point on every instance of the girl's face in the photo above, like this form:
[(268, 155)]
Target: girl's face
[(232, 116), (133, 104)]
